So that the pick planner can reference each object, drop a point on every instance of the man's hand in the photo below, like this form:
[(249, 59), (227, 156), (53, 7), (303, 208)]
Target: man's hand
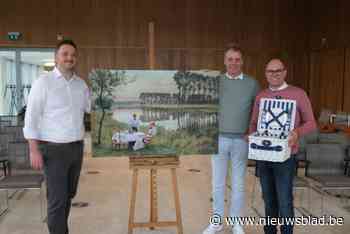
[(36, 160), (246, 137), (292, 138)]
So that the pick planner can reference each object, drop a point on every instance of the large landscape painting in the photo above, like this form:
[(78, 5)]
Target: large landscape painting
[(151, 110)]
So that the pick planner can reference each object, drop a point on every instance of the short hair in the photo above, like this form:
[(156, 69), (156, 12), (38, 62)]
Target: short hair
[(235, 47), (280, 58), (66, 42), (280, 55)]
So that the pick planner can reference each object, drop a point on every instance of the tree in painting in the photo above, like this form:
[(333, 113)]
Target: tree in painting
[(194, 88), (103, 84)]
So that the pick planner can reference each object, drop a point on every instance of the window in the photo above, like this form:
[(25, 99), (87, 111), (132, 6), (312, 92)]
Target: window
[(18, 69), (7, 83)]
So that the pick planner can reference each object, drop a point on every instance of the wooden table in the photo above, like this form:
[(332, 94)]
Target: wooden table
[(153, 162)]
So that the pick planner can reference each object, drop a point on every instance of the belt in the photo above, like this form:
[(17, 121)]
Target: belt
[(56, 143)]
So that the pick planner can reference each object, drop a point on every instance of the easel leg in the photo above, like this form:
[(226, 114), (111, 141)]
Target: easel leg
[(153, 198), (177, 201), (132, 201)]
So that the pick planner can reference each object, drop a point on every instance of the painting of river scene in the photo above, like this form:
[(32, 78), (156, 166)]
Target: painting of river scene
[(151, 110)]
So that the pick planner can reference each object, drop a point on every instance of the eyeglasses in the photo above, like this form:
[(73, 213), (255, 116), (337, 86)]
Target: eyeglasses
[(278, 71)]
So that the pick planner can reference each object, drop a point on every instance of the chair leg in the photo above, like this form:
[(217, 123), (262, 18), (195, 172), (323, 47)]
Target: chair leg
[(41, 200), (322, 202), (346, 200), (295, 195), (7, 199), (302, 197), (309, 199), (303, 208), (10, 196), (6, 208)]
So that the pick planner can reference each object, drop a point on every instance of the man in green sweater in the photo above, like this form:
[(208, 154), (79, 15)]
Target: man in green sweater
[(237, 92)]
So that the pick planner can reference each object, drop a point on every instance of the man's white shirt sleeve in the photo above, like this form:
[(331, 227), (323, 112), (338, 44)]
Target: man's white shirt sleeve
[(34, 110)]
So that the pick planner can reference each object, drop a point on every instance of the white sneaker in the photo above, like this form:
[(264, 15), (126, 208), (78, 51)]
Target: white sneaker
[(212, 229), (237, 229)]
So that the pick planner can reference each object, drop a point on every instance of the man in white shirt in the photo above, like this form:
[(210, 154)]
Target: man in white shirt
[(54, 128), (134, 123)]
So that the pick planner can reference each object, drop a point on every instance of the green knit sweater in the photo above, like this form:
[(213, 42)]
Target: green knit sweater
[(236, 98)]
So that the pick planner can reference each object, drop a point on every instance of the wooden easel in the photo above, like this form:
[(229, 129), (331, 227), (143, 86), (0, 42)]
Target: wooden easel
[(153, 163)]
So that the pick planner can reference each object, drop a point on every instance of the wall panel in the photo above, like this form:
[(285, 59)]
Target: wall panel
[(327, 79), (189, 34), (346, 87)]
